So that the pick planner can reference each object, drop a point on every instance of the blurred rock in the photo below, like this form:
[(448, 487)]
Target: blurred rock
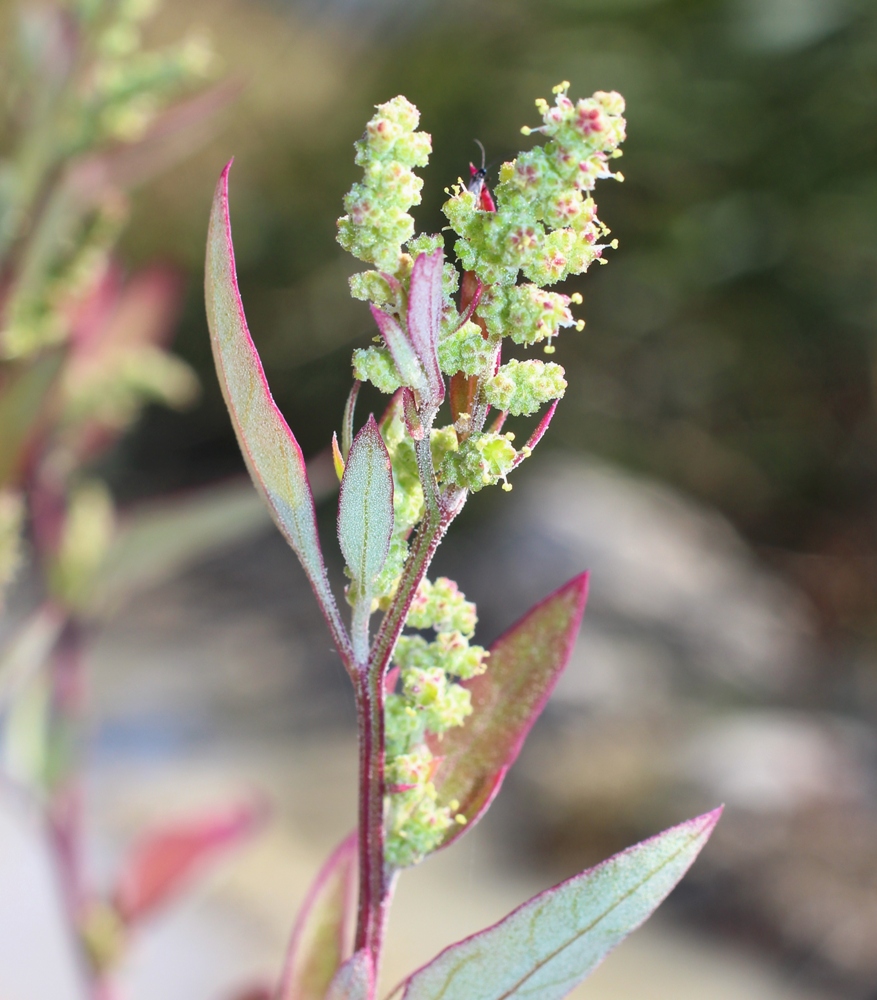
[(678, 602)]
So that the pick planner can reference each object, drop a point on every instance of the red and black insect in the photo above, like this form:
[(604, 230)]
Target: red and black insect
[(478, 184)]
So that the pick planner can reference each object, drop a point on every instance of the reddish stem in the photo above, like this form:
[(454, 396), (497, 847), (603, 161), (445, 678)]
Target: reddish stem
[(374, 884)]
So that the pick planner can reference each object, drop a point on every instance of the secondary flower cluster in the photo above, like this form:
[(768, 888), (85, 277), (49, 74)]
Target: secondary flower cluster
[(429, 701)]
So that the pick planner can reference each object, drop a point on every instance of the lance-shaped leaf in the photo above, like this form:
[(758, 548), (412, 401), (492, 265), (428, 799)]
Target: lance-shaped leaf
[(354, 980), (166, 859), (524, 665), (322, 939), (404, 356), (272, 454), (544, 948), (365, 507), (424, 317)]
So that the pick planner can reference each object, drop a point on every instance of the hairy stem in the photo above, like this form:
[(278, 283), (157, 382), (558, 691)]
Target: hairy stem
[(375, 884)]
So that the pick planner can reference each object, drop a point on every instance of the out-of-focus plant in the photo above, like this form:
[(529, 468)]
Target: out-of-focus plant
[(87, 113), (440, 719)]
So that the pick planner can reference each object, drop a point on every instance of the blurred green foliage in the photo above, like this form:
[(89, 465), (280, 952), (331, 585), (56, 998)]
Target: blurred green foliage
[(729, 345)]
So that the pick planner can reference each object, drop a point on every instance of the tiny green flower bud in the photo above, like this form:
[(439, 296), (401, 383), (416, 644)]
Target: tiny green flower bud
[(482, 460), (376, 365), (465, 350), (521, 387), (377, 222)]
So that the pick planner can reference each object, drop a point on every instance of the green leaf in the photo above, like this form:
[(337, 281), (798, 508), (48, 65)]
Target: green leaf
[(543, 949), (365, 507), (354, 980), (323, 935), (404, 356), (524, 665), (272, 454)]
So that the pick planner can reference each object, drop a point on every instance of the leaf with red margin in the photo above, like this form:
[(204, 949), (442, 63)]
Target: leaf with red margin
[(272, 454), (166, 859), (424, 317), (404, 356), (322, 939), (543, 949), (524, 665)]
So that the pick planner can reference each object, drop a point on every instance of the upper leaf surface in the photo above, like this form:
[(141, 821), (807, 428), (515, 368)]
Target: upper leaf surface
[(524, 665), (365, 507), (424, 316), (272, 454), (323, 936), (404, 355), (544, 948)]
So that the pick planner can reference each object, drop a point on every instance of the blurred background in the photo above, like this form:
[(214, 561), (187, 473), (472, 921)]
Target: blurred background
[(714, 463)]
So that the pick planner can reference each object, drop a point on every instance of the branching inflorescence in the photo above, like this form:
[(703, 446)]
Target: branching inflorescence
[(441, 719)]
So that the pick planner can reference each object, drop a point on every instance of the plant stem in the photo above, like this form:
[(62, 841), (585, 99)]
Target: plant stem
[(374, 885), (375, 879)]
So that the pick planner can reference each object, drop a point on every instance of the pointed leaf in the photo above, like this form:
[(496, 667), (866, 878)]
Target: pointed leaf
[(404, 354), (323, 935), (337, 458), (354, 980), (165, 860), (544, 948), (524, 665), (536, 436), (424, 316), (347, 423), (365, 507), (272, 454)]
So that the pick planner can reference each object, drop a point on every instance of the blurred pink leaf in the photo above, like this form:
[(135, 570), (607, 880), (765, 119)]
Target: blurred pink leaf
[(272, 454), (365, 507), (322, 939), (119, 315), (175, 133), (545, 947), (165, 860), (524, 665)]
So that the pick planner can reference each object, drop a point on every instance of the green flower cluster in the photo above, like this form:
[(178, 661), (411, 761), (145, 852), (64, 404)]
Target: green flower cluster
[(527, 313), (377, 221), (521, 387), (544, 225), (429, 702), (481, 459), (466, 350)]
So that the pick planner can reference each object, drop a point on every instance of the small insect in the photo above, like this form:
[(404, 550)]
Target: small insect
[(478, 183)]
